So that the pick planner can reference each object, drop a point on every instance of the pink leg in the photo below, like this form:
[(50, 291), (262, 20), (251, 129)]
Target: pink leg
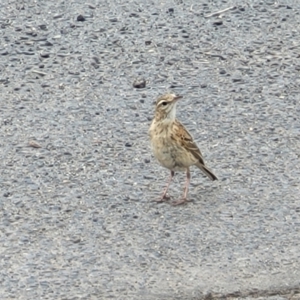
[(164, 196), (186, 189)]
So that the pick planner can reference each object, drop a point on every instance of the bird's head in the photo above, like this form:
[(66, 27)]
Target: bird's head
[(166, 107)]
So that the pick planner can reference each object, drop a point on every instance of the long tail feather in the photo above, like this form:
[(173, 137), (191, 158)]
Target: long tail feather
[(207, 172)]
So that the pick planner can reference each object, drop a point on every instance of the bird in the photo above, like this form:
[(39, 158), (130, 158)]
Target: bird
[(173, 146)]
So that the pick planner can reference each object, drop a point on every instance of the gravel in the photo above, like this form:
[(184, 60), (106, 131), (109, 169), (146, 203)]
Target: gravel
[(78, 81)]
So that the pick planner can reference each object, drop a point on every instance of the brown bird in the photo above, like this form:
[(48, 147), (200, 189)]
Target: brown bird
[(173, 145)]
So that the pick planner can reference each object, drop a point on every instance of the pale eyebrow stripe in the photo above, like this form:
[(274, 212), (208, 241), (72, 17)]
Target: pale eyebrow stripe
[(163, 100)]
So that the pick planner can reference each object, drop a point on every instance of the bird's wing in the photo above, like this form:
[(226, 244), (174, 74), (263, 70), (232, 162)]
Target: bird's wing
[(183, 137)]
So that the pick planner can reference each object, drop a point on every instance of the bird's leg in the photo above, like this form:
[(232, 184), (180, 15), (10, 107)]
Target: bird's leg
[(164, 195), (186, 188), (187, 183)]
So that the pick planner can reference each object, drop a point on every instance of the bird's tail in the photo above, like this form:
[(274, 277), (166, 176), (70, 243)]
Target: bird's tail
[(207, 171)]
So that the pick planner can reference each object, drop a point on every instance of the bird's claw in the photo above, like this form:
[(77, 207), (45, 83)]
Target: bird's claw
[(180, 201), (163, 198)]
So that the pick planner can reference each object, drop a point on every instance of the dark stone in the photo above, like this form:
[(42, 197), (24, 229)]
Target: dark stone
[(80, 18), (139, 83)]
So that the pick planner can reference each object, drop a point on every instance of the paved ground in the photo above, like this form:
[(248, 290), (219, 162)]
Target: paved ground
[(77, 216)]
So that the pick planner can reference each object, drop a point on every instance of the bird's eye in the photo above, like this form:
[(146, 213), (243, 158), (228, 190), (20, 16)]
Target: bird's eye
[(164, 103)]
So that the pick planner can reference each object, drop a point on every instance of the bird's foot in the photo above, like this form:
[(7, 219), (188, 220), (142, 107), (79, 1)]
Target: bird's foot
[(180, 201), (163, 198)]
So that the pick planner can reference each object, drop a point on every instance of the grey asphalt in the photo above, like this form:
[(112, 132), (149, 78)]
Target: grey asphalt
[(77, 176)]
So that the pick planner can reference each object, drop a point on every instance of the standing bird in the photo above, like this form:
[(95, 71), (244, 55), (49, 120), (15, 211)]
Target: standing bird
[(172, 144)]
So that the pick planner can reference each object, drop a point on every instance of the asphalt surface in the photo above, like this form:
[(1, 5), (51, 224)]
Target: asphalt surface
[(78, 180)]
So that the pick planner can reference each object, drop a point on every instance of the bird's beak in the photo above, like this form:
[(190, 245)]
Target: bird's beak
[(177, 97)]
